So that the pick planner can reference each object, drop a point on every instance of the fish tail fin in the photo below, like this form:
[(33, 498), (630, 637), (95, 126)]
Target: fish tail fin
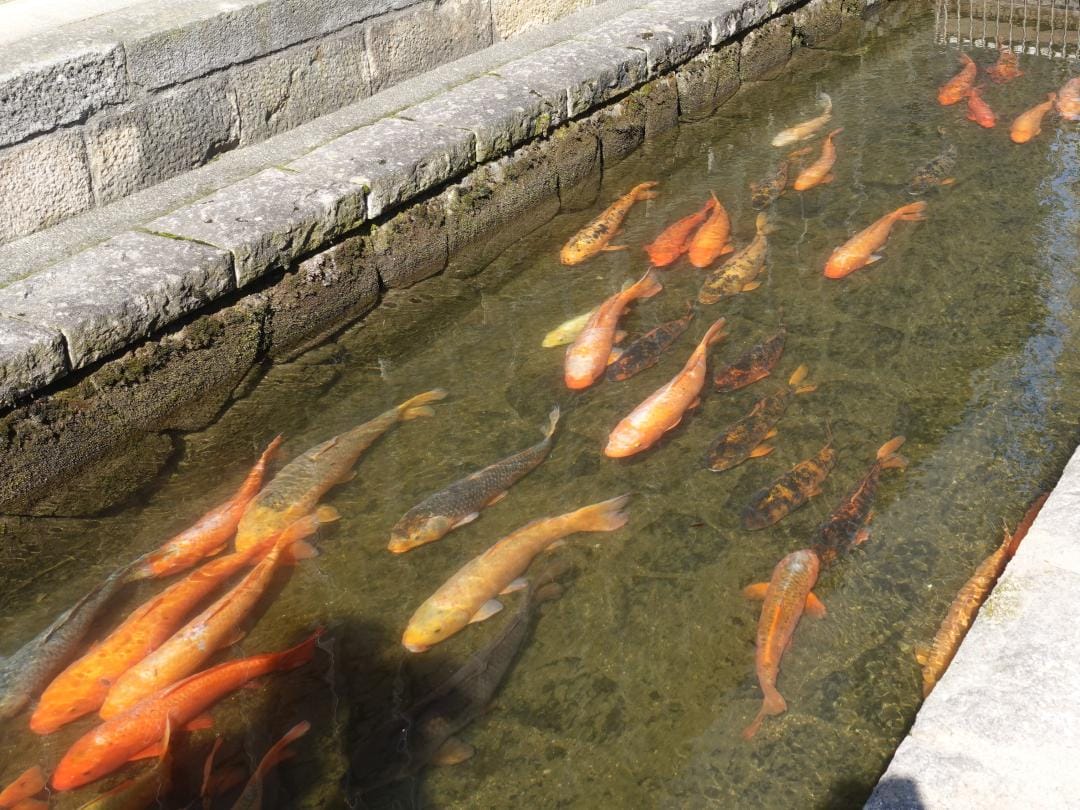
[(774, 702), (299, 655), (762, 224), (715, 199), (278, 750), (715, 333), (798, 375), (826, 101), (644, 191), (913, 212), (606, 516), (835, 132), (646, 287), (418, 405), (888, 458), (553, 422)]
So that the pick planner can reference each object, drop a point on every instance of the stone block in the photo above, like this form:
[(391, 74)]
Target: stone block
[(500, 113), (578, 76), (287, 89), (410, 246), (817, 20), (31, 357), (394, 160), (40, 91), (159, 138), (661, 100), (511, 17), (108, 297), (575, 153), (722, 19), (765, 49), (425, 36), (42, 182), (324, 294), (620, 128), (667, 39), (707, 81), (293, 21), (268, 220)]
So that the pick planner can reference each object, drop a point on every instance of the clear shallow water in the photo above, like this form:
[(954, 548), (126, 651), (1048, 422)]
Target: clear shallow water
[(635, 685)]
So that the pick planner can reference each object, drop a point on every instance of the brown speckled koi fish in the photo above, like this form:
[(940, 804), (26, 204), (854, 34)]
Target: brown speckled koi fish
[(765, 193), (791, 490), (739, 273), (595, 237), (645, 352), (753, 365)]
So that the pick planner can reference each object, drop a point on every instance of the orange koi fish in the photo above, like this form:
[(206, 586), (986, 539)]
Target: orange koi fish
[(590, 353), (595, 236), (957, 87), (979, 111), (664, 408), (1068, 100), (858, 251), (102, 750), (1006, 68), (1029, 123), (935, 659), (820, 171), (675, 239), (210, 533), (145, 790), (713, 239), (787, 594), (30, 783), (252, 796), (214, 628)]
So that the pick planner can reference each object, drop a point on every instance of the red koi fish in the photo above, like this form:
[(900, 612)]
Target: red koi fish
[(979, 111), (957, 87), (676, 238), (30, 783)]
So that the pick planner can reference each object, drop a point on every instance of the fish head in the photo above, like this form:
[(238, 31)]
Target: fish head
[(417, 531), (624, 441), (432, 624), (92, 757)]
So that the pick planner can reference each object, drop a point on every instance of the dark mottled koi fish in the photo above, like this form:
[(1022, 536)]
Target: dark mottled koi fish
[(936, 657), (766, 192), (645, 352), (791, 490), (739, 273), (595, 236), (461, 502), (935, 172), (753, 365), (745, 439), (787, 595), (846, 526)]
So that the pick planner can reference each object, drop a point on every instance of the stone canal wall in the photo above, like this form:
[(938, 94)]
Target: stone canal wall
[(152, 314)]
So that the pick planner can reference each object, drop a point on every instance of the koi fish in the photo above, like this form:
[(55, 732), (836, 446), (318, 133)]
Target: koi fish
[(786, 595), (298, 486), (664, 408), (587, 358), (754, 364), (210, 533), (29, 669), (806, 129), (569, 329), (1068, 100), (820, 171), (979, 111), (252, 796), (674, 241), (595, 236), (745, 439), (739, 273), (791, 490), (143, 791), (216, 627), (858, 251), (846, 527), (936, 657), (30, 783), (956, 88), (102, 750), (935, 172), (712, 239), (469, 595), (765, 193), (461, 502), (1029, 123), (1006, 68), (645, 352)]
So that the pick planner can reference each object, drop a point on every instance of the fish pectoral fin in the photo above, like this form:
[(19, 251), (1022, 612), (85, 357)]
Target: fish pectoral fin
[(756, 591), (771, 434), (922, 654), (870, 516), (235, 637), (327, 514), (862, 536), (750, 286), (516, 585), (497, 498), (300, 550), (874, 257), (329, 445), (814, 606), (620, 335), (609, 248), (346, 477), (828, 178), (761, 451), (469, 518), (616, 353), (487, 610), (453, 752), (728, 248), (813, 493), (948, 181), (691, 406), (554, 546)]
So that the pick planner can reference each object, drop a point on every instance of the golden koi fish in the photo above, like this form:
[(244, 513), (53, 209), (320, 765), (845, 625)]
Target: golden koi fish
[(820, 171), (800, 132), (739, 273), (595, 237)]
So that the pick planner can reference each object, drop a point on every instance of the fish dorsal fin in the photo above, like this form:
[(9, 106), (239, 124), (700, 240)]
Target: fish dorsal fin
[(325, 447)]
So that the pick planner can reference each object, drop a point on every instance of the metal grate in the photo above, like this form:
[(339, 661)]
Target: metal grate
[(1048, 28)]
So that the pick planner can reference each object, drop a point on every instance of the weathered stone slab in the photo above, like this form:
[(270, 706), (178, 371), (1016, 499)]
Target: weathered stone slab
[(661, 100), (575, 153), (31, 357), (293, 21), (765, 49), (424, 37), (511, 17), (44, 88), (500, 113), (667, 39), (42, 182), (159, 138), (394, 160), (410, 246), (722, 18), (268, 220), (707, 81), (817, 20), (111, 296), (578, 76)]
